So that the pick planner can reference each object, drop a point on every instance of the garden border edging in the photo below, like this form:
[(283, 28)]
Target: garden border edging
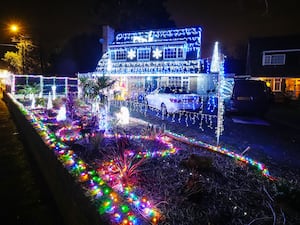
[(74, 206)]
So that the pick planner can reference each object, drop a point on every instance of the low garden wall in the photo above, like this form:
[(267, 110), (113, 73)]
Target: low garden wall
[(74, 206)]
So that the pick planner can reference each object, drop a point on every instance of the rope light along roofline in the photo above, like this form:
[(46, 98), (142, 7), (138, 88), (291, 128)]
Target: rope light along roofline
[(158, 35)]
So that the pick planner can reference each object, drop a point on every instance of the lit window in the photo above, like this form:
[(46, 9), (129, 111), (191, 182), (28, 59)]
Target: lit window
[(274, 59), (277, 84)]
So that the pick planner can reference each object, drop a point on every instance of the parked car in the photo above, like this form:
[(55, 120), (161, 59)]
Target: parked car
[(172, 100), (249, 97)]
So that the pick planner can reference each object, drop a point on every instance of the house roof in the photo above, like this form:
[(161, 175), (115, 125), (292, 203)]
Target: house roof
[(288, 45)]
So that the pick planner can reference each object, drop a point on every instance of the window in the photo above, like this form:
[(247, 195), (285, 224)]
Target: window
[(143, 54), (277, 84), (170, 53), (119, 55), (174, 81), (274, 59), (173, 53), (180, 53)]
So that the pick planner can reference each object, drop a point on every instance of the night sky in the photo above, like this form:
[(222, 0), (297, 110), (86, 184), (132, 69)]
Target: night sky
[(231, 22)]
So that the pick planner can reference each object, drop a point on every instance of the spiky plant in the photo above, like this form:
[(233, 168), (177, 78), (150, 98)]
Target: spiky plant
[(122, 164)]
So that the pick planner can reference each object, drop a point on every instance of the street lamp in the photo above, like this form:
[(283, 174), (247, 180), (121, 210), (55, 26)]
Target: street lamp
[(14, 28), (28, 57), (21, 40)]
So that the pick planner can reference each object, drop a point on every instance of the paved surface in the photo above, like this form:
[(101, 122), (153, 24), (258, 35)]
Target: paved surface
[(24, 197)]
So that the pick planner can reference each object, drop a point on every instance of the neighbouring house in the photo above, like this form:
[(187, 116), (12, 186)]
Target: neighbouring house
[(276, 60), (144, 60)]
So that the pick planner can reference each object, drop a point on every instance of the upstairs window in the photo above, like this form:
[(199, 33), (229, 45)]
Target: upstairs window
[(274, 59), (118, 55), (170, 53), (173, 53), (180, 53), (143, 54)]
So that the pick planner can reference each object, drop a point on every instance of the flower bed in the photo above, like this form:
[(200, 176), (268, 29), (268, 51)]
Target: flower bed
[(142, 175)]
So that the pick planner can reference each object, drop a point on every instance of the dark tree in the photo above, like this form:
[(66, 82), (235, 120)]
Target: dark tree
[(80, 54), (130, 15)]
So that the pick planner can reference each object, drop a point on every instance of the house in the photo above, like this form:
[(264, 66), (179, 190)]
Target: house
[(276, 60), (144, 60)]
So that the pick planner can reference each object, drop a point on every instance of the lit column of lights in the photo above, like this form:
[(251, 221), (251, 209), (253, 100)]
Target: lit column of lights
[(215, 62), (217, 66)]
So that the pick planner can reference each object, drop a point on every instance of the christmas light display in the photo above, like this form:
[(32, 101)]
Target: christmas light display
[(49, 102), (224, 151), (33, 103), (123, 116), (123, 205), (157, 53), (217, 66), (215, 62), (111, 203), (69, 133), (53, 88), (62, 113), (45, 83), (125, 54)]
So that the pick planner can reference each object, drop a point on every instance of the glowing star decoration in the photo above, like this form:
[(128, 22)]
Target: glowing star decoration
[(123, 116), (131, 54), (215, 62), (62, 114), (157, 53)]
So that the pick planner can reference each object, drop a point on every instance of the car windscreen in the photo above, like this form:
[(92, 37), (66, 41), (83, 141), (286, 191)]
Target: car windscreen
[(249, 88), (180, 91)]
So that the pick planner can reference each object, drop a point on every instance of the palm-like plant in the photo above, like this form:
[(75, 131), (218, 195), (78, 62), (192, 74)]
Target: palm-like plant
[(102, 83), (92, 89), (27, 89)]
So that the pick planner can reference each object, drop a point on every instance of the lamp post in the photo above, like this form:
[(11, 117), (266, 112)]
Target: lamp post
[(30, 54), (22, 43)]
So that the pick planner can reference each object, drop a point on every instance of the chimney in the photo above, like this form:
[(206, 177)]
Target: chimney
[(108, 37)]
